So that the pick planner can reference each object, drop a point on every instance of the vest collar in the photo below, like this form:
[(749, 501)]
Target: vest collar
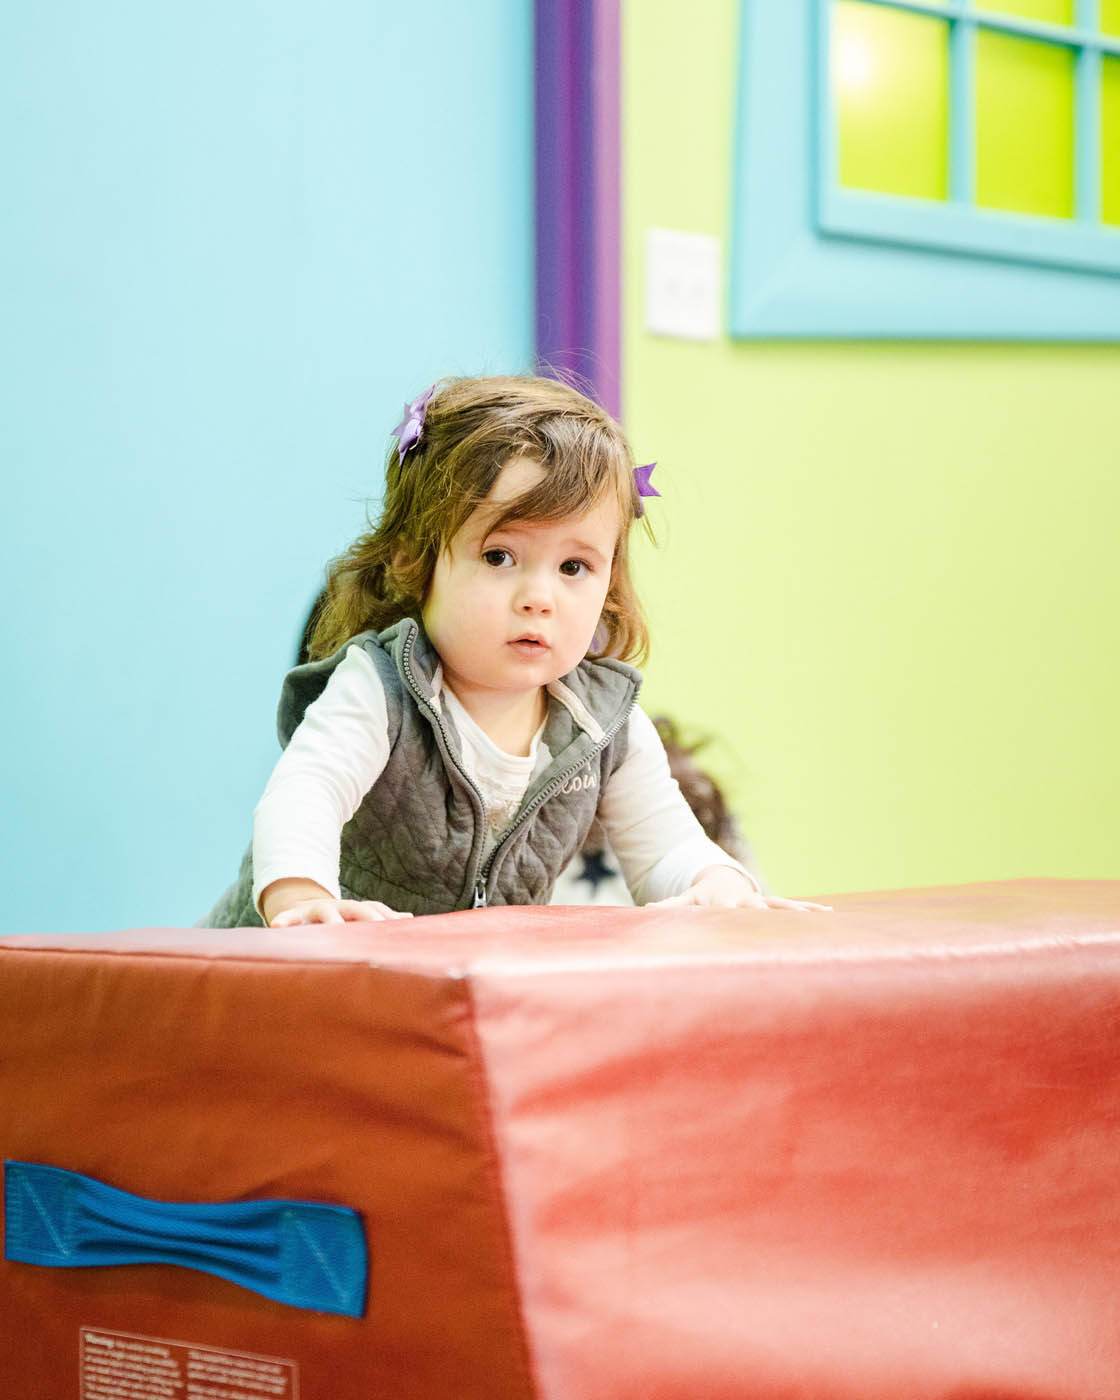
[(590, 684)]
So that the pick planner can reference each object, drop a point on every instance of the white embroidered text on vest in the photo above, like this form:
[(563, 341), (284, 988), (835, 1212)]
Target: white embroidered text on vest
[(582, 782)]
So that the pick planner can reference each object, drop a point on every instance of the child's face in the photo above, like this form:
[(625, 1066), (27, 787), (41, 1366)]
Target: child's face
[(510, 610)]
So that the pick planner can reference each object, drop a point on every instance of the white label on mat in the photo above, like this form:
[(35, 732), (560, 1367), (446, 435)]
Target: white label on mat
[(124, 1366)]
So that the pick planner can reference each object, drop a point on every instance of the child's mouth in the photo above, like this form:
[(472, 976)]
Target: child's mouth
[(529, 646)]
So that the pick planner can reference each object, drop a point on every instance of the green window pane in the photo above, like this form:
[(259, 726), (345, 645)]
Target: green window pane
[(1110, 17), (1049, 11), (1024, 125), (890, 77), (1110, 140)]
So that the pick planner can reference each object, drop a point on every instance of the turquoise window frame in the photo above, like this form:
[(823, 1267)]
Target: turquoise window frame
[(812, 259)]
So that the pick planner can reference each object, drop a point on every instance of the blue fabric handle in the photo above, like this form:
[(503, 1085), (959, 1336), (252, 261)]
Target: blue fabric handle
[(296, 1252)]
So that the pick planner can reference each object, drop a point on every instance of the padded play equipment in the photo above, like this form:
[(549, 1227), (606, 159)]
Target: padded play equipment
[(550, 1154)]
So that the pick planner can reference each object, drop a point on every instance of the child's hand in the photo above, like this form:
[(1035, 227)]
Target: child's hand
[(286, 903), (335, 911), (722, 887)]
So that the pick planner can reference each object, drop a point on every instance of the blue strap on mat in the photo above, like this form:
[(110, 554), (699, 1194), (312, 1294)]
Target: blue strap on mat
[(296, 1252)]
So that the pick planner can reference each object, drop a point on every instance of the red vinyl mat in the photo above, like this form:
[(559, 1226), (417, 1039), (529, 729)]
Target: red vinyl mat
[(597, 1154)]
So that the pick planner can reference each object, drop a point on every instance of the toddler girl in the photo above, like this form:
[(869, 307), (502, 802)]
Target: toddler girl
[(468, 710)]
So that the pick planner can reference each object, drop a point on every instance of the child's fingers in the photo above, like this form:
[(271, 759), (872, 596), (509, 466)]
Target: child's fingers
[(382, 911), (323, 911), (691, 900), (337, 911), (366, 911), (290, 917), (800, 906)]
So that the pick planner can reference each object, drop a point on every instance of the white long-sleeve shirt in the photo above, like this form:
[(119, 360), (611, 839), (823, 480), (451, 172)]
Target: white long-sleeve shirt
[(341, 746)]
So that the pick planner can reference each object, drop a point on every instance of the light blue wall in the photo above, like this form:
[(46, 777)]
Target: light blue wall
[(236, 236)]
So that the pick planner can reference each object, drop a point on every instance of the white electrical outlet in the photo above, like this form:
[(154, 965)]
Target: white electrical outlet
[(682, 284)]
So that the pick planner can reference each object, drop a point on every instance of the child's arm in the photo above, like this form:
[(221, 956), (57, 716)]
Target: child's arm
[(336, 754)]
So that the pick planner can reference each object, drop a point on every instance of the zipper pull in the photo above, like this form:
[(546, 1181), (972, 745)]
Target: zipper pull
[(480, 895)]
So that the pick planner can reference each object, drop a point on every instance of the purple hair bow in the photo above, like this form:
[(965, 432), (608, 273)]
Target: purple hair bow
[(645, 486), (409, 429)]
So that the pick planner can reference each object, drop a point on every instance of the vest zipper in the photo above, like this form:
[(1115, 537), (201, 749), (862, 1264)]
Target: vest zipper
[(410, 676), (482, 870), (543, 796)]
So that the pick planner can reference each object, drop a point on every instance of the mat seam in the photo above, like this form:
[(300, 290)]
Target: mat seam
[(493, 1168)]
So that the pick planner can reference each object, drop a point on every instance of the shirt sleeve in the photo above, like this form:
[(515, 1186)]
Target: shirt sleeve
[(659, 844), (337, 753)]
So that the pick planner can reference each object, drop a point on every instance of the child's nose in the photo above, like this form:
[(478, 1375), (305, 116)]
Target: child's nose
[(535, 595)]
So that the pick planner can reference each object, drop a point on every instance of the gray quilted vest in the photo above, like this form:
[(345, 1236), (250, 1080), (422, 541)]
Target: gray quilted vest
[(417, 840)]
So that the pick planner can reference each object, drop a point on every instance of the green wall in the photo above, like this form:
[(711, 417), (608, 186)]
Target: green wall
[(888, 576)]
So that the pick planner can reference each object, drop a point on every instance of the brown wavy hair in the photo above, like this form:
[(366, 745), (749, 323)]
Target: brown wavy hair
[(472, 429)]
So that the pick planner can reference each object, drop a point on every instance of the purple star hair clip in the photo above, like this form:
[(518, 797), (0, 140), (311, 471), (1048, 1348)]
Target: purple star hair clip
[(645, 486), (408, 431)]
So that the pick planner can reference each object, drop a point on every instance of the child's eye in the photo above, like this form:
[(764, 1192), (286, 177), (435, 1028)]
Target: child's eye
[(497, 558), (575, 568)]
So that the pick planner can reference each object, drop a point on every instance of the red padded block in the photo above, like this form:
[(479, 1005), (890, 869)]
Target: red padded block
[(603, 1154)]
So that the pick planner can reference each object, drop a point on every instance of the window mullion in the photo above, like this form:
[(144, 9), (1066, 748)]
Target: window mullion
[(962, 110), (1087, 118), (1087, 136)]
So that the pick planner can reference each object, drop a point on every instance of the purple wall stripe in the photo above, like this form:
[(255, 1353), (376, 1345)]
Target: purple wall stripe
[(577, 51), (607, 108)]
